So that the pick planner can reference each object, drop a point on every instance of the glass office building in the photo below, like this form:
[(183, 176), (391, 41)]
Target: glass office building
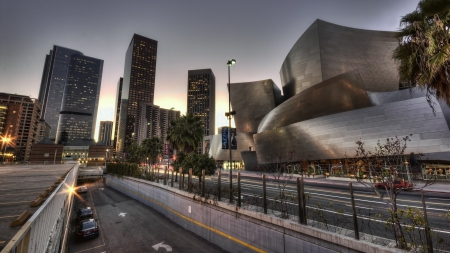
[(69, 92), (138, 85)]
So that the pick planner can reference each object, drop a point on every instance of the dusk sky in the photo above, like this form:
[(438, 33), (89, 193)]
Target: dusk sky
[(192, 34)]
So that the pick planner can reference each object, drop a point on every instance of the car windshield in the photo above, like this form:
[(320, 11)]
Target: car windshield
[(88, 225), (86, 211)]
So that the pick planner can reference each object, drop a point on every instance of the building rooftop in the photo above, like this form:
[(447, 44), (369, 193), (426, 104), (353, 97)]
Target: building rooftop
[(21, 185)]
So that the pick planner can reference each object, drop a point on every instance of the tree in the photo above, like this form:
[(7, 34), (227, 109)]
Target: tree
[(379, 170), (199, 162), (177, 164), (152, 148), (134, 152), (424, 49), (185, 133)]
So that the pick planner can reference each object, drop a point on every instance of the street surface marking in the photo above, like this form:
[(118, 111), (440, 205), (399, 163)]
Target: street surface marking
[(122, 214), (167, 247), (440, 199), (101, 189)]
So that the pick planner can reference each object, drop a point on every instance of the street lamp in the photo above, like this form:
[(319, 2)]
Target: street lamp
[(229, 115), (106, 156), (5, 141)]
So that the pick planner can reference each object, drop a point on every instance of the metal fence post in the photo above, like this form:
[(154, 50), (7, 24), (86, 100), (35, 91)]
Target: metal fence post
[(203, 183), (355, 217), (239, 188), (427, 228), (301, 201), (219, 194), (180, 184), (264, 194), (171, 181), (165, 176), (190, 180)]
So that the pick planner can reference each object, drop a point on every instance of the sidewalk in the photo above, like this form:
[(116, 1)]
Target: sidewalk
[(437, 186)]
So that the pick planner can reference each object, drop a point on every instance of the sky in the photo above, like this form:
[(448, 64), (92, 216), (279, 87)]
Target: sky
[(191, 34)]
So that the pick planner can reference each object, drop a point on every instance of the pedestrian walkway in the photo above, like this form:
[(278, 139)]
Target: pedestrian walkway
[(437, 186)]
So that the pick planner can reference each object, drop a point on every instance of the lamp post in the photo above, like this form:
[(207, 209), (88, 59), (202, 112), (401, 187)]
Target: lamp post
[(106, 156), (229, 114), (5, 141)]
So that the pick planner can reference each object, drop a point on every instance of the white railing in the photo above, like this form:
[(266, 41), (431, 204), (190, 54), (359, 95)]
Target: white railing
[(46, 229)]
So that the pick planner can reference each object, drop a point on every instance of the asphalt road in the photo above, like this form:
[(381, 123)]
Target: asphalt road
[(331, 203), (127, 225)]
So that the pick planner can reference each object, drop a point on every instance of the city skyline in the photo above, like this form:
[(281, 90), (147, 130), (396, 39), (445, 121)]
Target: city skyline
[(192, 35)]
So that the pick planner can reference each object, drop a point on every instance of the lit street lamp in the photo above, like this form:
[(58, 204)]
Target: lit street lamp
[(106, 156), (229, 115)]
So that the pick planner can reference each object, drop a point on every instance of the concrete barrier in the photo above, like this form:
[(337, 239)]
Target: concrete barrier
[(37, 202), (23, 217), (234, 229)]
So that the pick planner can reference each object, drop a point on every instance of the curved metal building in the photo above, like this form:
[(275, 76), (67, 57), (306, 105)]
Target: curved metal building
[(326, 50), (340, 86)]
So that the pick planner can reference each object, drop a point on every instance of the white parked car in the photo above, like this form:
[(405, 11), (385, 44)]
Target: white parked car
[(82, 189)]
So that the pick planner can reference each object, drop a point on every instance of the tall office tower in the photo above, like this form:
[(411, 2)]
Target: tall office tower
[(105, 131), (165, 117), (117, 111), (147, 121), (69, 93), (43, 130), (153, 121), (138, 85), (29, 119), (201, 100)]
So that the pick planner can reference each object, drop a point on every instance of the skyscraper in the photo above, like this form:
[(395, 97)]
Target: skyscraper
[(69, 93), (153, 121), (201, 98), (138, 85), (105, 131), (117, 111)]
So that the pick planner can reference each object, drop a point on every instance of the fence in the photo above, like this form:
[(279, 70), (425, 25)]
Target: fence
[(344, 216), (47, 228)]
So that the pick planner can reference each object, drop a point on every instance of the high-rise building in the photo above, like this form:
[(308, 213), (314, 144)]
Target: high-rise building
[(201, 98), (138, 85), (69, 93), (29, 110), (153, 121), (117, 111), (105, 131), (10, 119), (43, 130)]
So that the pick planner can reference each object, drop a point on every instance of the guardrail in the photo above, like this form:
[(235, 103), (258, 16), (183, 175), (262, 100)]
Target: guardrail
[(47, 228)]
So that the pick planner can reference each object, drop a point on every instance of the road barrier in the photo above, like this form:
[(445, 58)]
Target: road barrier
[(235, 229), (43, 232)]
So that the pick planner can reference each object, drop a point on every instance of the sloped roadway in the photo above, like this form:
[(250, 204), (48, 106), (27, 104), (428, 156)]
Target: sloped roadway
[(127, 225)]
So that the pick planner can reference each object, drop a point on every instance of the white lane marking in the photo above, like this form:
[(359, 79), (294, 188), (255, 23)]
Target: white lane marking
[(362, 207), (440, 199), (122, 214), (167, 247), (101, 189)]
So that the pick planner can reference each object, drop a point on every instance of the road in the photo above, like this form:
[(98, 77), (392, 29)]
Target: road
[(331, 204), (127, 225)]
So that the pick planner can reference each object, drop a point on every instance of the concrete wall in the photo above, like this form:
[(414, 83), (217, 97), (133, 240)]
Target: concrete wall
[(237, 230)]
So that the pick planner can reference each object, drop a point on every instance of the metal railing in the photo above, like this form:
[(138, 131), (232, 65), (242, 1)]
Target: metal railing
[(46, 230)]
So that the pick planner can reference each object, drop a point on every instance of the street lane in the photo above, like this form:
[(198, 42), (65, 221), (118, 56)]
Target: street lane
[(127, 225)]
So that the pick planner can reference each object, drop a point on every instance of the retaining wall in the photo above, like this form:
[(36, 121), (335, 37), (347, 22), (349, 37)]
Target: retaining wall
[(235, 229)]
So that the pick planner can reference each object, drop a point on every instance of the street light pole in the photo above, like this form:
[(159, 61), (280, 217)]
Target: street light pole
[(230, 63), (106, 156)]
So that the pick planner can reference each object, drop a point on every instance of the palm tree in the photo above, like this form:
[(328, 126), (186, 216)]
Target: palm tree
[(424, 49), (186, 133), (152, 148)]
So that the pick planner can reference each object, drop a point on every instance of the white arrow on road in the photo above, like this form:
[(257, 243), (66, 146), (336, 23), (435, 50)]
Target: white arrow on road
[(101, 189), (122, 214), (167, 247)]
